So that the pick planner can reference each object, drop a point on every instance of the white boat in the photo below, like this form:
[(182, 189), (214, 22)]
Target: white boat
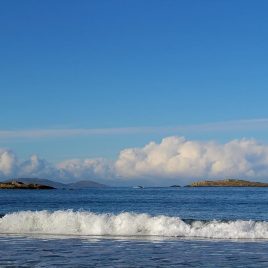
[(138, 187)]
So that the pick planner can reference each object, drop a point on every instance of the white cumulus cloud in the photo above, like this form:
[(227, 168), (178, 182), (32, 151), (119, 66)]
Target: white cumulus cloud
[(69, 170), (37, 167), (87, 168), (8, 162), (178, 158)]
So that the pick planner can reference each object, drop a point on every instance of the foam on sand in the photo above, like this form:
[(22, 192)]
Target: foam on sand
[(70, 222)]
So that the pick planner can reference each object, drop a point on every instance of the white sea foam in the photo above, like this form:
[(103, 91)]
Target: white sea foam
[(70, 222)]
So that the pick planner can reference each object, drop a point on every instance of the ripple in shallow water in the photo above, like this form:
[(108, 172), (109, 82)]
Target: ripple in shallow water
[(99, 252)]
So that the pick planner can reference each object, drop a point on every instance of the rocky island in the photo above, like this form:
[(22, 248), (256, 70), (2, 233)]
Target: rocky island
[(25, 186), (228, 183)]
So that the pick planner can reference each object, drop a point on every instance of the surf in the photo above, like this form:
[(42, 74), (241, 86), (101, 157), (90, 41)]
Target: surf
[(69, 222)]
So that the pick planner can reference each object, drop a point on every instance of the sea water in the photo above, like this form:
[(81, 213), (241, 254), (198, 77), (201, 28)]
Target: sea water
[(126, 227)]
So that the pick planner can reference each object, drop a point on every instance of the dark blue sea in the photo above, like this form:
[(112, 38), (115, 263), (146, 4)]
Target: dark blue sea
[(126, 227)]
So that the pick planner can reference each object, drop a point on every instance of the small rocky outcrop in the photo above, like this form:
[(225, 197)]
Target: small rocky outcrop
[(21, 185), (228, 183)]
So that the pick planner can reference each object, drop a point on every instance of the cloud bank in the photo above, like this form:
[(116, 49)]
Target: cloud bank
[(174, 158)]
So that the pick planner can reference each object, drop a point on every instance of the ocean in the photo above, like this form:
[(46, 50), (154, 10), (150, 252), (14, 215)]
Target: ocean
[(127, 227)]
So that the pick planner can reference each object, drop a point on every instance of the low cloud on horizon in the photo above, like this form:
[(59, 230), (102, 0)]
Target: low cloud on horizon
[(174, 159)]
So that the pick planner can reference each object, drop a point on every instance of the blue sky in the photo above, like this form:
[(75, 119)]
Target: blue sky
[(120, 64)]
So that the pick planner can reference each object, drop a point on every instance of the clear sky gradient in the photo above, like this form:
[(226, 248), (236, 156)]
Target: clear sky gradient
[(120, 64)]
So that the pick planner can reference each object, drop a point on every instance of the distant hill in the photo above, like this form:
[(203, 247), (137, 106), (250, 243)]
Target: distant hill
[(228, 183), (58, 185), (85, 184)]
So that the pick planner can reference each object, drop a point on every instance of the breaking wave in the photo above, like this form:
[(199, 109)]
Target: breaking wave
[(70, 222)]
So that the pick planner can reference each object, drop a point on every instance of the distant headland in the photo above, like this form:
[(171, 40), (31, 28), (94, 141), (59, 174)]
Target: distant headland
[(228, 183), (40, 184), (26, 186)]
